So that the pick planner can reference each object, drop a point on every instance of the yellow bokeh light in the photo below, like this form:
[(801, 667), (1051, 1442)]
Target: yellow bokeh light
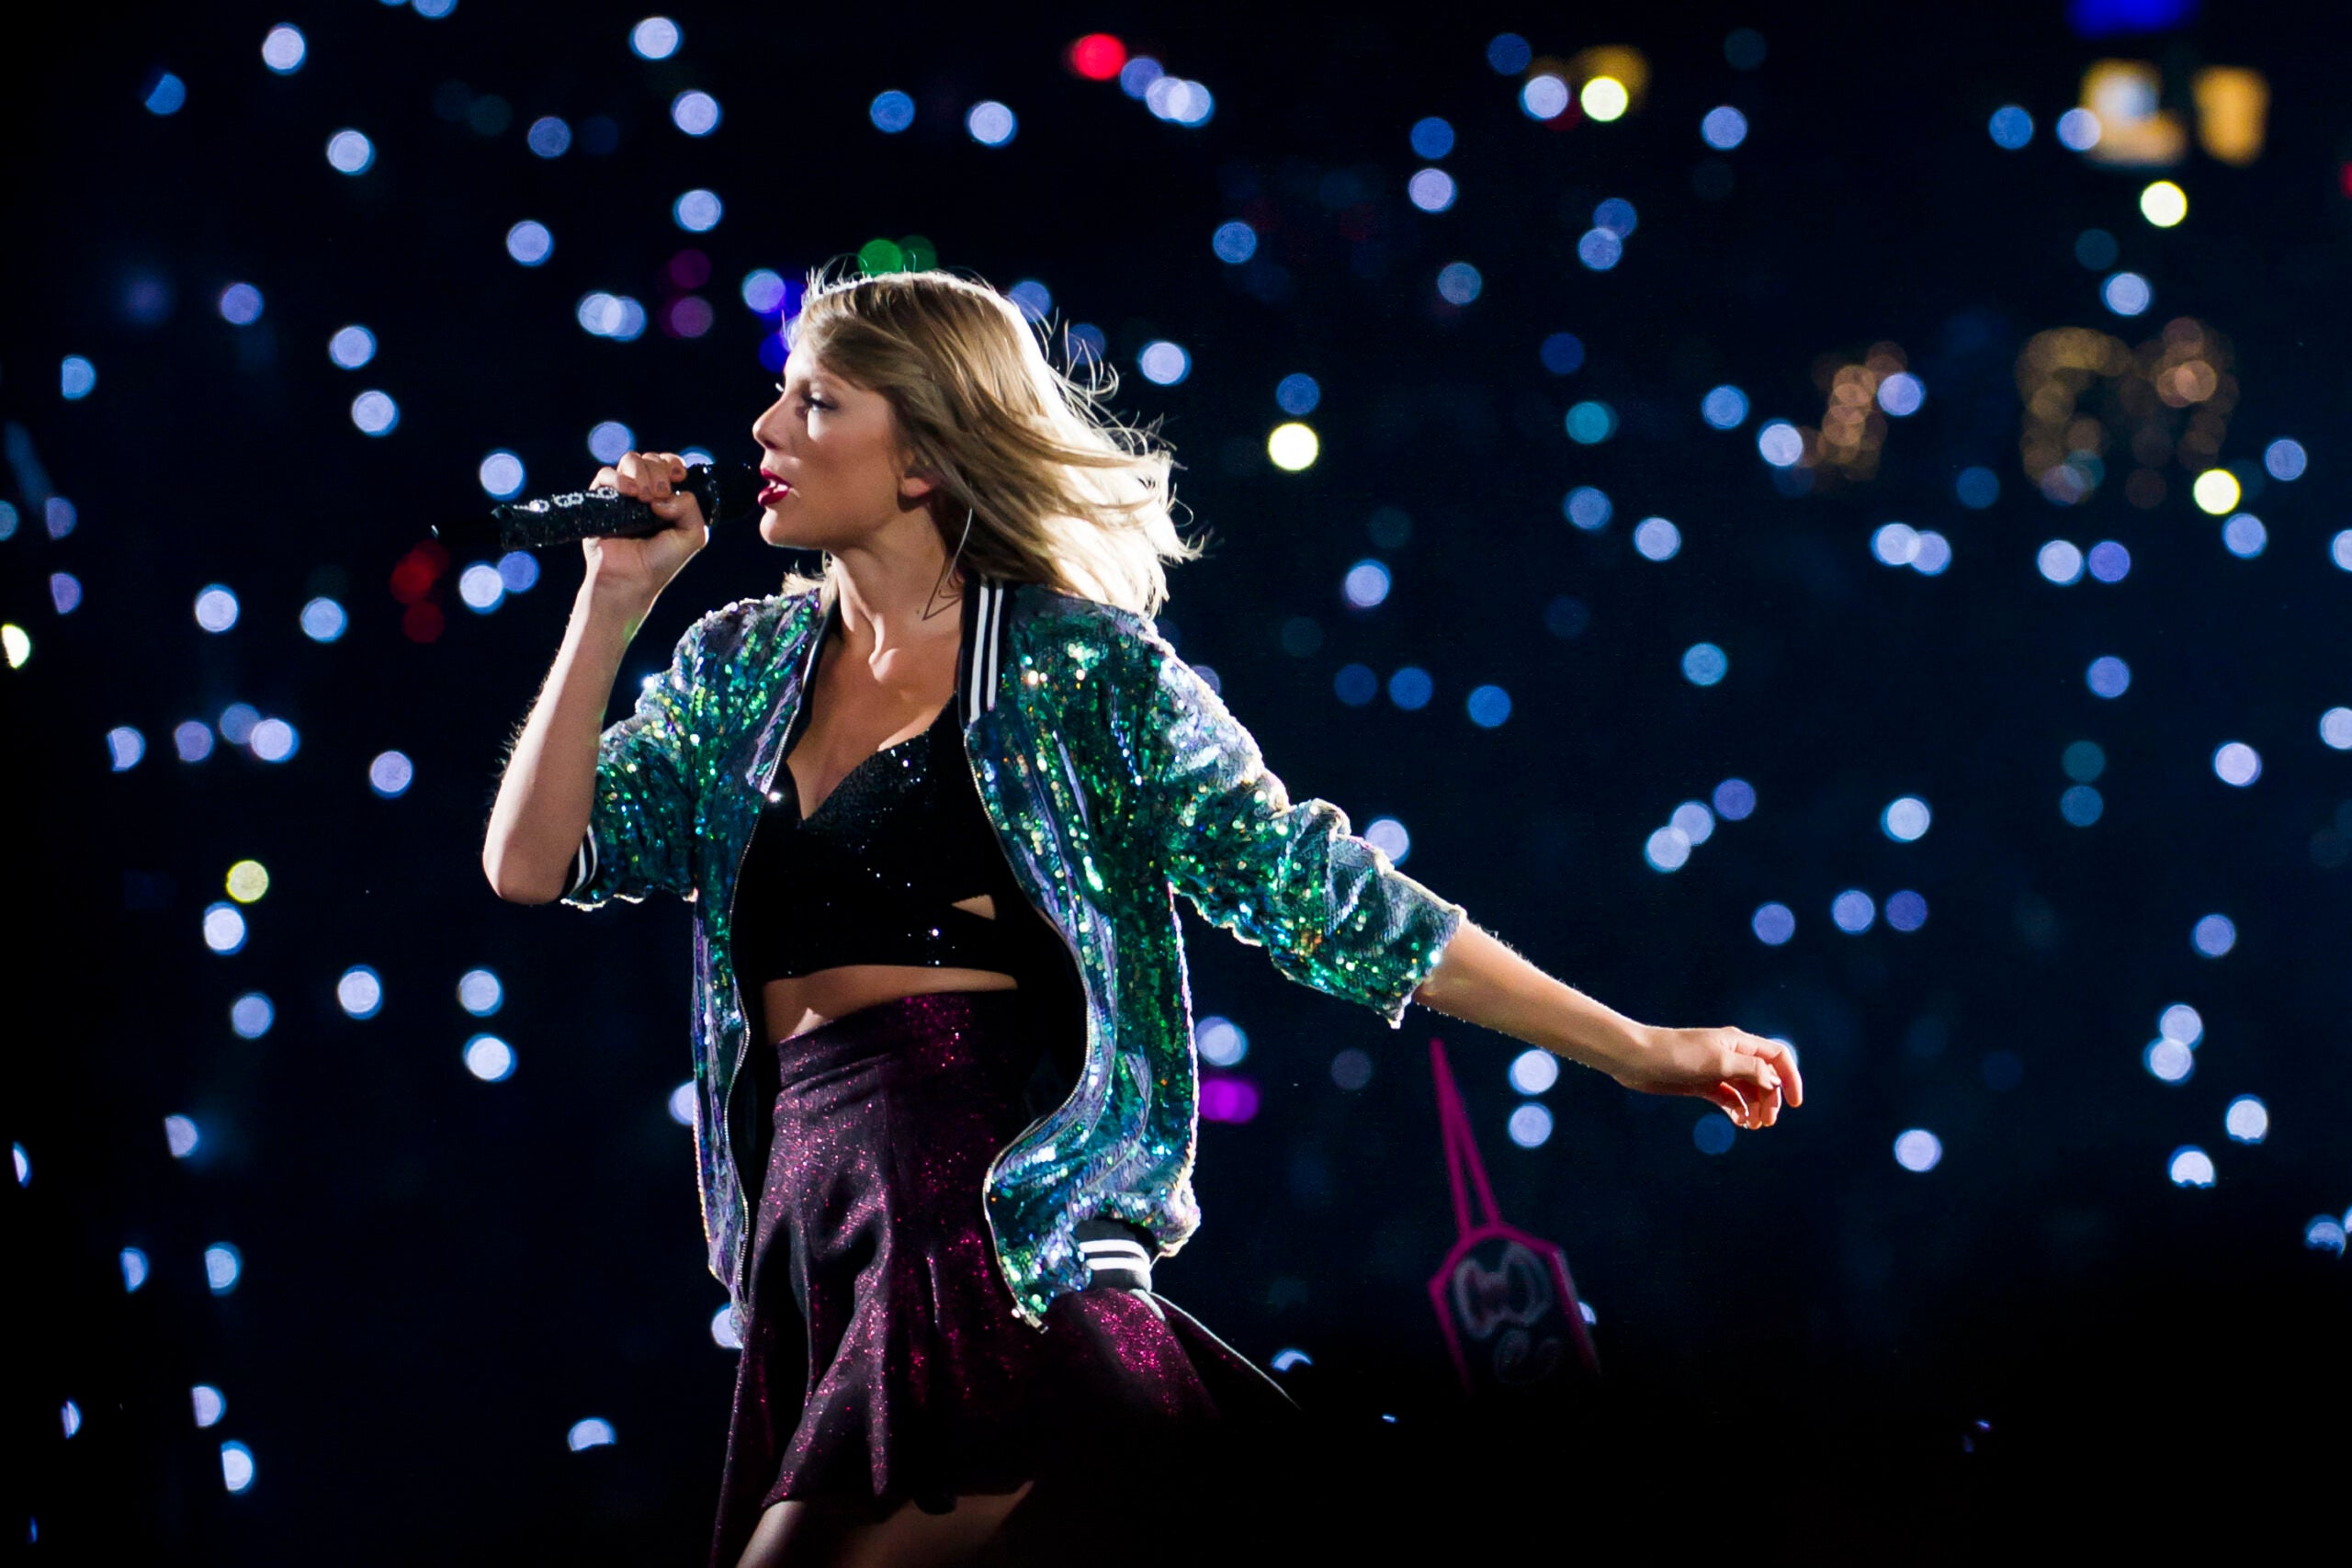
[(17, 643), (2216, 490), (247, 881), (1294, 447), (2163, 204), (1604, 99)]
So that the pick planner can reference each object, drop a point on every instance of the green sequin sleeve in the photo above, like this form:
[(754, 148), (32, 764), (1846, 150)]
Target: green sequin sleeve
[(641, 821), (1331, 911)]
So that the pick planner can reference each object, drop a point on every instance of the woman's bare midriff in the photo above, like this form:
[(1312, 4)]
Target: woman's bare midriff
[(804, 1002)]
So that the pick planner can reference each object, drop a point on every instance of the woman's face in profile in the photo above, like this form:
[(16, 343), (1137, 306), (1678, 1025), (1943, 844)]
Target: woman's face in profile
[(830, 461)]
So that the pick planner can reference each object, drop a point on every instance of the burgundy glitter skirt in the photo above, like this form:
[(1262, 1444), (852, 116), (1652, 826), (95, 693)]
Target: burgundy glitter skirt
[(882, 1362)]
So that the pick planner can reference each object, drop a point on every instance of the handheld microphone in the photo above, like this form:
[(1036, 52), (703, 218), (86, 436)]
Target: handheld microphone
[(727, 492)]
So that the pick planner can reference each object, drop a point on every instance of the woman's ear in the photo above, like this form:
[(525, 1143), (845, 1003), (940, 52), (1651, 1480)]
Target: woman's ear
[(916, 482)]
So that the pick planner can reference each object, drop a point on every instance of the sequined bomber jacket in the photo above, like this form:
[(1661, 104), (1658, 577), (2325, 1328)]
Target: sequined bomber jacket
[(1115, 777)]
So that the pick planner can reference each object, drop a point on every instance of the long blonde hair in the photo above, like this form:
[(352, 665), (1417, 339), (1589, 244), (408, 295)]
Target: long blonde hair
[(1058, 489)]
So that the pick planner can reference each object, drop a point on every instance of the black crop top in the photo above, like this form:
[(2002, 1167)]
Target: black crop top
[(874, 876)]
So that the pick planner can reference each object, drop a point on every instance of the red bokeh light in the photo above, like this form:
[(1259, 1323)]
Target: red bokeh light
[(414, 577), (1097, 57), (422, 623), (687, 270)]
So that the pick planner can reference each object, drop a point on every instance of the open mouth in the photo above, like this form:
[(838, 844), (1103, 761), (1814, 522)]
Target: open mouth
[(774, 491)]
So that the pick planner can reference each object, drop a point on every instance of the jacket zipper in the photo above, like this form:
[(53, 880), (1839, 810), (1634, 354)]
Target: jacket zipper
[(1078, 964), (738, 1261)]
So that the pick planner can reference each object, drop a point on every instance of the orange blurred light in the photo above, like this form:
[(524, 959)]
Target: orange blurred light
[(1097, 56), (2132, 131), (1629, 67), (2231, 103)]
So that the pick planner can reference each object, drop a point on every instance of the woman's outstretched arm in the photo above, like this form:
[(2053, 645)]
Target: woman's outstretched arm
[(1480, 980)]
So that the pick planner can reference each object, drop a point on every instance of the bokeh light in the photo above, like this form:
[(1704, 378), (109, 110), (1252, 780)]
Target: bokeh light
[(1432, 190), (224, 928), (2285, 458), (350, 151), (1724, 407), (1220, 1041), (891, 112), (323, 620), (656, 38), (223, 1266), (1917, 1149), (2213, 936), (530, 242), (2163, 204), (360, 992), (375, 413), (216, 608), (593, 1433), (2236, 763), (352, 347), (990, 123), (181, 1136), (236, 1466), (391, 773), (1535, 1071), (239, 304), (2246, 1120), (695, 112), (1704, 664), (2216, 492), (2010, 127), (283, 50), (76, 377), (1294, 447), (1724, 127), (490, 1059), (2190, 1166), (1529, 1125), (251, 1015), (1163, 363), (2126, 293)]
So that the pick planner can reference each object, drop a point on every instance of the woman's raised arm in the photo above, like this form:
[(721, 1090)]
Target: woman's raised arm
[(1480, 980), (547, 789)]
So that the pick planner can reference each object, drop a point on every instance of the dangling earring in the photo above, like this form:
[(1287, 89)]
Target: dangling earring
[(927, 611)]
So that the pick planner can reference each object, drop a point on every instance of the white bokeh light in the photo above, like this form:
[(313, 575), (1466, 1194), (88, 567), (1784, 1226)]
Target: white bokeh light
[(2248, 1120), (2237, 764), (1918, 1150), (1220, 1041), (391, 773), (479, 993), (490, 1059), (1906, 820), (593, 1433), (1535, 1071), (1530, 1125), (2190, 1166), (360, 991)]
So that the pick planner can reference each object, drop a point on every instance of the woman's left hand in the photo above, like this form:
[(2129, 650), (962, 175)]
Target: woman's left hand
[(1748, 1076)]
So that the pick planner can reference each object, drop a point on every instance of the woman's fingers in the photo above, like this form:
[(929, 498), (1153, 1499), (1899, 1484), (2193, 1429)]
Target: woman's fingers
[(1784, 1062)]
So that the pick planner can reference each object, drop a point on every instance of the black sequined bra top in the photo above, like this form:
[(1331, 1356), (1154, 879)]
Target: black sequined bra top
[(875, 875)]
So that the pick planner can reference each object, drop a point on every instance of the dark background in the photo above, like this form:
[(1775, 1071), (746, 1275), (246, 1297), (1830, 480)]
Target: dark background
[(441, 1275)]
